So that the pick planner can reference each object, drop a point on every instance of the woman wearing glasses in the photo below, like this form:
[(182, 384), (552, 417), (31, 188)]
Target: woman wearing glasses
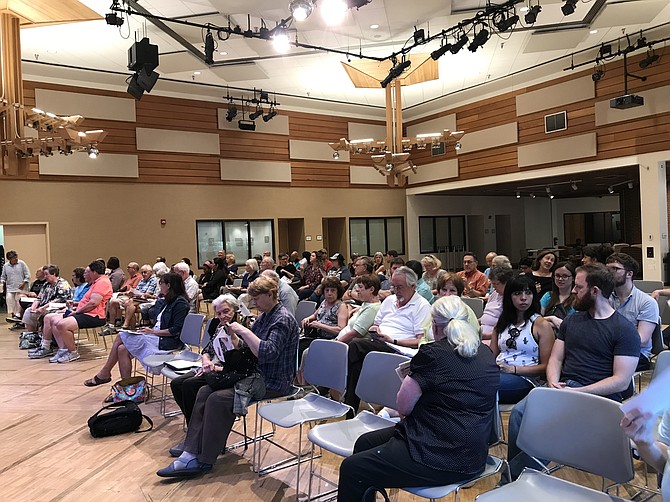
[(558, 304), (521, 340)]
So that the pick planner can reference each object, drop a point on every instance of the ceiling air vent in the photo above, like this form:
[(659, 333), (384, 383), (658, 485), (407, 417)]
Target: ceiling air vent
[(555, 122)]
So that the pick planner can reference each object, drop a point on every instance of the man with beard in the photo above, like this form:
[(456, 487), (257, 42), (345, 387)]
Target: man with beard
[(400, 322), (596, 351), (635, 305)]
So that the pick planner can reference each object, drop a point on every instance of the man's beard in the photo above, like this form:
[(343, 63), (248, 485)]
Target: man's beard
[(587, 302)]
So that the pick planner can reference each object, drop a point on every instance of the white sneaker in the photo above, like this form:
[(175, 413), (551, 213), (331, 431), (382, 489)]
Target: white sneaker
[(59, 353), (68, 356)]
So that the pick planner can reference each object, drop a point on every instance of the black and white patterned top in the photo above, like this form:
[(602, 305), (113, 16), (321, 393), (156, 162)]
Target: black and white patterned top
[(522, 349)]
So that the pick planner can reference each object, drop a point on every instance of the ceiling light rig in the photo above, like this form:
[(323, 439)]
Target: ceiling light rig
[(569, 7), (531, 189), (259, 99)]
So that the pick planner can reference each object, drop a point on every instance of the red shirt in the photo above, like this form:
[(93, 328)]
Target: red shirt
[(102, 286)]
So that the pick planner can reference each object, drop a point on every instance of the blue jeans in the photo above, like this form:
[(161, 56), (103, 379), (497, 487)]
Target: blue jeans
[(513, 388)]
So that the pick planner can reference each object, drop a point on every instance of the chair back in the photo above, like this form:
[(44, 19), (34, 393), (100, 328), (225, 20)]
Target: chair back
[(662, 363), (657, 339), (647, 286), (237, 283), (304, 309), (663, 309), (576, 429), (379, 383), (327, 364), (191, 332), (476, 304)]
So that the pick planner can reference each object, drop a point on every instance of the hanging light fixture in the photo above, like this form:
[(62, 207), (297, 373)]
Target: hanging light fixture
[(301, 9)]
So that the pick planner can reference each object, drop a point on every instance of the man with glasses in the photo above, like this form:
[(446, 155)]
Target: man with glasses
[(55, 290), (363, 266), (476, 283), (596, 351), (635, 305)]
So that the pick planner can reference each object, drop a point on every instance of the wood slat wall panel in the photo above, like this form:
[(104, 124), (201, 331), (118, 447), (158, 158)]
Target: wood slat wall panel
[(314, 174)]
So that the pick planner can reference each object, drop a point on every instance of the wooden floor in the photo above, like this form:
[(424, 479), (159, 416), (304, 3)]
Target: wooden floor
[(47, 453)]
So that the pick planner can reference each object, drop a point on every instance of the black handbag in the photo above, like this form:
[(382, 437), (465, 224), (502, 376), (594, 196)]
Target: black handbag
[(118, 418), (238, 364)]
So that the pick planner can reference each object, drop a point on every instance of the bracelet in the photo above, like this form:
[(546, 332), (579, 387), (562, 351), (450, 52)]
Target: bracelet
[(395, 342)]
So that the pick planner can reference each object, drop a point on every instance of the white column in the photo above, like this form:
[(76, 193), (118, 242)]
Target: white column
[(654, 214)]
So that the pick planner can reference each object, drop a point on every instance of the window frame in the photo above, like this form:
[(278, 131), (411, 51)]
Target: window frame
[(223, 235), (386, 219), (451, 246)]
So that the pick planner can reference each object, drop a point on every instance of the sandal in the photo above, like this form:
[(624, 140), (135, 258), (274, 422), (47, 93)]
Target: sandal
[(95, 381)]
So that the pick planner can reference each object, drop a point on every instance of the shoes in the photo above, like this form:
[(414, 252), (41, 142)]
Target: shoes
[(18, 326), (191, 469), (108, 330), (59, 353), (95, 381), (40, 353), (13, 318), (177, 449), (68, 357)]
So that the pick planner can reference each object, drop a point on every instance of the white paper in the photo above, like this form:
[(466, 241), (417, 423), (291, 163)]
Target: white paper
[(402, 370), (244, 310), (654, 399), (405, 351)]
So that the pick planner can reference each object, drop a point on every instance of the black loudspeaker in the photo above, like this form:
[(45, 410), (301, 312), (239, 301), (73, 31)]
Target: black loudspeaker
[(143, 54)]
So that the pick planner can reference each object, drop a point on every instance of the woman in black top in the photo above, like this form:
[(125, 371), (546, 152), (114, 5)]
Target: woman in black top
[(211, 289), (543, 268), (448, 403)]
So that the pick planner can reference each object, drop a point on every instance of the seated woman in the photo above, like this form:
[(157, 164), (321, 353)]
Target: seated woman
[(542, 269), (433, 271), (379, 266), (329, 319), (273, 339), (230, 263), (80, 284), (521, 341), (211, 288), (448, 403), (161, 339), (251, 273), (558, 304), (312, 275), (367, 288), (206, 273), (499, 277), (185, 388), (449, 284)]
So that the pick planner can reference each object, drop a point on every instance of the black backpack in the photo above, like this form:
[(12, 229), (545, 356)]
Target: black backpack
[(118, 418)]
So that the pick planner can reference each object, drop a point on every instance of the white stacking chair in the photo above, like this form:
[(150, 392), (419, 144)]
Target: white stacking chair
[(326, 366), (648, 286), (574, 429), (476, 304), (377, 384), (304, 309)]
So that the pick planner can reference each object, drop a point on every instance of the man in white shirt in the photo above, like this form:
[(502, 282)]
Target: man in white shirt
[(16, 277), (399, 322), (190, 284)]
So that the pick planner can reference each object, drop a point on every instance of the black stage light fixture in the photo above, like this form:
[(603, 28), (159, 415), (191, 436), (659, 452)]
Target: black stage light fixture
[(479, 39), (256, 114), (270, 115), (531, 15), (504, 22), (246, 125), (209, 48), (231, 113), (143, 54), (419, 36), (650, 59), (396, 71), (459, 44), (438, 53), (598, 72), (569, 7), (113, 19), (134, 89), (146, 79)]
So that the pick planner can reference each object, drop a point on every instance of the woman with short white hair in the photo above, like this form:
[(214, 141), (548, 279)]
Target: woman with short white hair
[(448, 404)]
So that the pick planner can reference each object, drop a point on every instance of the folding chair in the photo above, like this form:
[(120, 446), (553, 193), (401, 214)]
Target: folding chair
[(304, 309), (327, 367), (377, 384), (574, 429), (656, 349), (476, 304)]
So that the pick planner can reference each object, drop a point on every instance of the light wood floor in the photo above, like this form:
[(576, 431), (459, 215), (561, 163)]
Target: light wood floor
[(47, 453)]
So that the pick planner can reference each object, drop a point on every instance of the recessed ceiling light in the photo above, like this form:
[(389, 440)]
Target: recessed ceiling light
[(196, 73), (374, 26), (593, 32), (223, 53), (524, 9)]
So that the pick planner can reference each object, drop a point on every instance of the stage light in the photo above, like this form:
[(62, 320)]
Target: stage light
[(532, 195), (246, 125), (598, 72), (301, 9), (610, 189), (459, 44), (231, 113), (630, 185), (396, 71), (93, 152), (256, 114), (573, 185), (280, 41), (503, 21), (333, 11), (651, 58), (457, 146), (147, 79), (531, 15), (270, 115), (438, 53), (113, 19), (336, 155), (479, 40), (569, 7), (209, 48), (518, 194)]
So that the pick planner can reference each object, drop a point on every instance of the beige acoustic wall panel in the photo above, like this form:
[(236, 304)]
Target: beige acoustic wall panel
[(79, 164), (86, 105), (252, 170), (166, 140), (434, 172), (362, 175), (505, 134), (561, 94), (434, 125), (314, 150), (655, 101), (365, 131), (278, 125), (557, 150)]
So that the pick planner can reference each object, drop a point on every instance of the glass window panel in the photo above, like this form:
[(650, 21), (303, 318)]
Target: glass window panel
[(442, 233), (210, 240), (395, 235), (426, 238), (261, 237), (357, 236), (458, 233), (237, 241), (377, 235)]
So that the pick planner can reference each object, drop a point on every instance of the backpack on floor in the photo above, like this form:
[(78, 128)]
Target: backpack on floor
[(118, 418), (29, 341)]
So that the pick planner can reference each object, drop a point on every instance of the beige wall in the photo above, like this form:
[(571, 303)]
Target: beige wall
[(88, 220)]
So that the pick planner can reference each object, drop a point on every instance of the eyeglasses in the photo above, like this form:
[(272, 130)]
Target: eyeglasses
[(526, 292), (616, 269), (562, 277), (513, 335)]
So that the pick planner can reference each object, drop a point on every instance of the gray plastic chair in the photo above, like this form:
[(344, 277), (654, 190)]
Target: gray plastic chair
[(648, 286), (327, 367), (571, 428), (476, 304), (304, 309), (378, 384)]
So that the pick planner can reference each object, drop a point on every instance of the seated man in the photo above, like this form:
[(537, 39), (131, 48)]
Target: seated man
[(386, 289), (34, 291), (596, 351), (400, 321), (422, 287), (145, 289), (55, 290), (476, 283), (635, 305), (133, 277), (89, 313), (286, 269), (190, 285), (362, 266), (116, 275)]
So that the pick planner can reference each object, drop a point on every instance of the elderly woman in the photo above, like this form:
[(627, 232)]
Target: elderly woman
[(379, 266), (433, 271), (206, 273), (230, 263), (558, 303), (162, 338), (448, 403), (449, 284), (185, 388), (312, 275), (147, 289), (367, 286), (499, 277), (210, 289), (521, 341), (542, 271), (251, 268), (273, 339)]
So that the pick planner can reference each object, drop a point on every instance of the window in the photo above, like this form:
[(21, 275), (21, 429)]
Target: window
[(243, 238), (441, 233), (369, 235)]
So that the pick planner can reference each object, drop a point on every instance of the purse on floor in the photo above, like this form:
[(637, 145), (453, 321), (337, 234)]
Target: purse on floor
[(118, 418), (130, 389)]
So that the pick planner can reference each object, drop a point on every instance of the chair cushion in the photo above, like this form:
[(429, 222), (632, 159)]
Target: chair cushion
[(310, 408), (339, 437)]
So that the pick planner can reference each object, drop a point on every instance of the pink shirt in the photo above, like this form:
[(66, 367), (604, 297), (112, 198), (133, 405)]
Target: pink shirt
[(102, 286)]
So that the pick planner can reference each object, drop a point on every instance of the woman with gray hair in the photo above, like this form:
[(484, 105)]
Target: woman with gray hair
[(448, 404)]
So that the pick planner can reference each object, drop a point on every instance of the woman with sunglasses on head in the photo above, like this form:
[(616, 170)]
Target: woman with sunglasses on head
[(558, 304), (521, 341)]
